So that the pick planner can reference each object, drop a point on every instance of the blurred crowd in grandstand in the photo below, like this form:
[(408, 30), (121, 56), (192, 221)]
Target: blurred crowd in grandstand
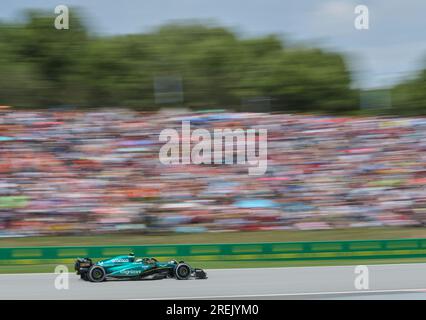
[(80, 172)]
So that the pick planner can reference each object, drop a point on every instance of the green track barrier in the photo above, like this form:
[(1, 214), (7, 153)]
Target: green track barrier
[(268, 251)]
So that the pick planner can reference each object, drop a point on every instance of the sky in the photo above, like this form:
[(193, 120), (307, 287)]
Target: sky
[(392, 49)]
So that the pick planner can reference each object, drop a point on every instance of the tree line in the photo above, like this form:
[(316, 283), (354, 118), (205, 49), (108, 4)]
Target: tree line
[(192, 64)]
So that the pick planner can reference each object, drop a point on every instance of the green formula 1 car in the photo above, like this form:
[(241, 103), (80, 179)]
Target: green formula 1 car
[(127, 267)]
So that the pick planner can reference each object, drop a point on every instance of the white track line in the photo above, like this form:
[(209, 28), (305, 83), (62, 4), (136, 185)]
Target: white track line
[(287, 294)]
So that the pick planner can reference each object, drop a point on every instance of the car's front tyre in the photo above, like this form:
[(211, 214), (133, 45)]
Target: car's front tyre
[(182, 271), (96, 274)]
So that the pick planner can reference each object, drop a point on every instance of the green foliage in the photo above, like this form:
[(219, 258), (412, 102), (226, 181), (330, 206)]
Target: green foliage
[(42, 66), (409, 98)]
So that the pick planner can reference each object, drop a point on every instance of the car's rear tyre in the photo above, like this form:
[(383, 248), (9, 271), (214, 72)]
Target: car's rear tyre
[(182, 271), (96, 274)]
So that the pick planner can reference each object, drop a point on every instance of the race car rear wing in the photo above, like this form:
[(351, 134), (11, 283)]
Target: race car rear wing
[(82, 264)]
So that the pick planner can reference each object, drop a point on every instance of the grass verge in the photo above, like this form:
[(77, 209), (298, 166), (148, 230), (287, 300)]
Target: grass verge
[(50, 268), (223, 237)]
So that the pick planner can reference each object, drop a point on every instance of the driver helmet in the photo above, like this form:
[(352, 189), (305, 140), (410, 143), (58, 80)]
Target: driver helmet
[(131, 257)]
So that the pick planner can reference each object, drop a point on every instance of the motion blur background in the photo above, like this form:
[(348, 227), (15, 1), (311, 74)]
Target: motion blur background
[(82, 110)]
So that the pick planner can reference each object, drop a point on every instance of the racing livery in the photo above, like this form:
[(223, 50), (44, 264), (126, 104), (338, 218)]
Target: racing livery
[(127, 267)]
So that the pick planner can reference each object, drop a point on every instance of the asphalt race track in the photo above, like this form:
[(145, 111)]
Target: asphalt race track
[(391, 281)]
